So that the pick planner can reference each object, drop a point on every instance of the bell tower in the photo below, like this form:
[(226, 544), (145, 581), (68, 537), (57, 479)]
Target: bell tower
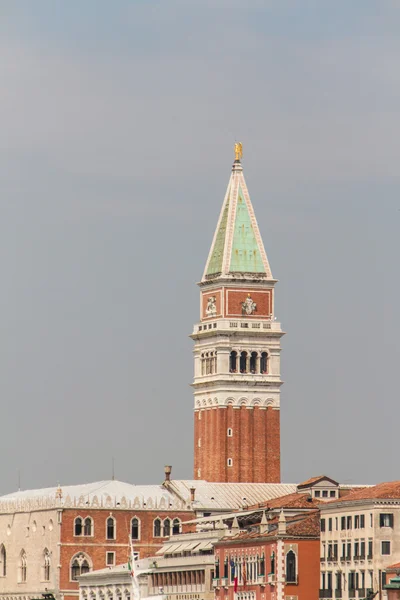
[(237, 351)]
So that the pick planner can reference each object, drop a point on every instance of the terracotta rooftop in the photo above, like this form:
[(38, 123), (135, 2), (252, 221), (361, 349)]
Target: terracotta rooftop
[(394, 567), (298, 526), (312, 480), (388, 490), (289, 501)]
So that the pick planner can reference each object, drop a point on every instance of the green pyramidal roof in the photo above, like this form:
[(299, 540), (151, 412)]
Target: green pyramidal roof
[(245, 256), (237, 246), (215, 262)]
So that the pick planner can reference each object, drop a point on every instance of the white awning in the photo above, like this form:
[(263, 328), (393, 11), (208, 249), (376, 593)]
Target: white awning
[(165, 549), (205, 546)]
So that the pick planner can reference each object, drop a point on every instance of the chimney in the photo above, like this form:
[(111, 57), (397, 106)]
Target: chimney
[(282, 524), (192, 494), (167, 472)]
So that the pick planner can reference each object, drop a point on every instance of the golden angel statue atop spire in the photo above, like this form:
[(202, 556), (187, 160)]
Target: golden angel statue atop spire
[(238, 150)]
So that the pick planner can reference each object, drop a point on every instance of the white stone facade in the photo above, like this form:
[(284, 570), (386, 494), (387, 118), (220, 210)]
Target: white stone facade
[(31, 543), (359, 540)]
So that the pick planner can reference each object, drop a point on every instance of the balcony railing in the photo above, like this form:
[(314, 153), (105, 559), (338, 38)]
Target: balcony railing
[(338, 593), (361, 593), (261, 579), (352, 593), (325, 593), (224, 581), (271, 577)]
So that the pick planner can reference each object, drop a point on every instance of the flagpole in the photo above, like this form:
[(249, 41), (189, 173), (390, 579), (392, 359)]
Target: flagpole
[(135, 582)]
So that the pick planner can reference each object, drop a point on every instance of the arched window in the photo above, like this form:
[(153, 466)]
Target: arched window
[(79, 566), (233, 362), (135, 529), (3, 561), (243, 362), (273, 563), (291, 567), (253, 362), (264, 363), (46, 565), (229, 432), (167, 527), (176, 527), (78, 526), (22, 567), (157, 528), (111, 528), (87, 526)]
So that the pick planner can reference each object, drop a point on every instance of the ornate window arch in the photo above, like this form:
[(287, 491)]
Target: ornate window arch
[(176, 526), (135, 528), (80, 564), (22, 567), (167, 527), (157, 527), (110, 528), (264, 363), (291, 571), (78, 526), (233, 361), (46, 565), (3, 561), (88, 526)]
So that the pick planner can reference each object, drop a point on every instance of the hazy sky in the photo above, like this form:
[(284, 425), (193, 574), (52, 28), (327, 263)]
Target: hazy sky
[(117, 125)]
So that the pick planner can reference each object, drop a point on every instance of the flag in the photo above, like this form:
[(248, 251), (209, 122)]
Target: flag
[(244, 575), (234, 577), (130, 568)]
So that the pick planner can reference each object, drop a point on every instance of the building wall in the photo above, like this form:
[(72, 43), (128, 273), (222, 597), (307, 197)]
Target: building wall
[(372, 531), (271, 586), (31, 532), (96, 546)]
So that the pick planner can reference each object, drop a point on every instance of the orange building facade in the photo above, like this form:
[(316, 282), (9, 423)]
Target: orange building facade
[(282, 564)]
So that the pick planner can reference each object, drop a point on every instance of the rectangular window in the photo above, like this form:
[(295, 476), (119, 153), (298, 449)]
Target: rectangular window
[(383, 578), (348, 522), (371, 520), (362, 550), (385, 549), (348, 557), (362, 521), (352, 580), (356, 522), (335, 551), (317, 494), (332, 494), (386, 520), (343, 551), (110, 559), (369, 548), (336, 523), (330, 552), (329, 580), (322, 524), (330, 524), (343, 523), (324, 493), (356, 550)]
